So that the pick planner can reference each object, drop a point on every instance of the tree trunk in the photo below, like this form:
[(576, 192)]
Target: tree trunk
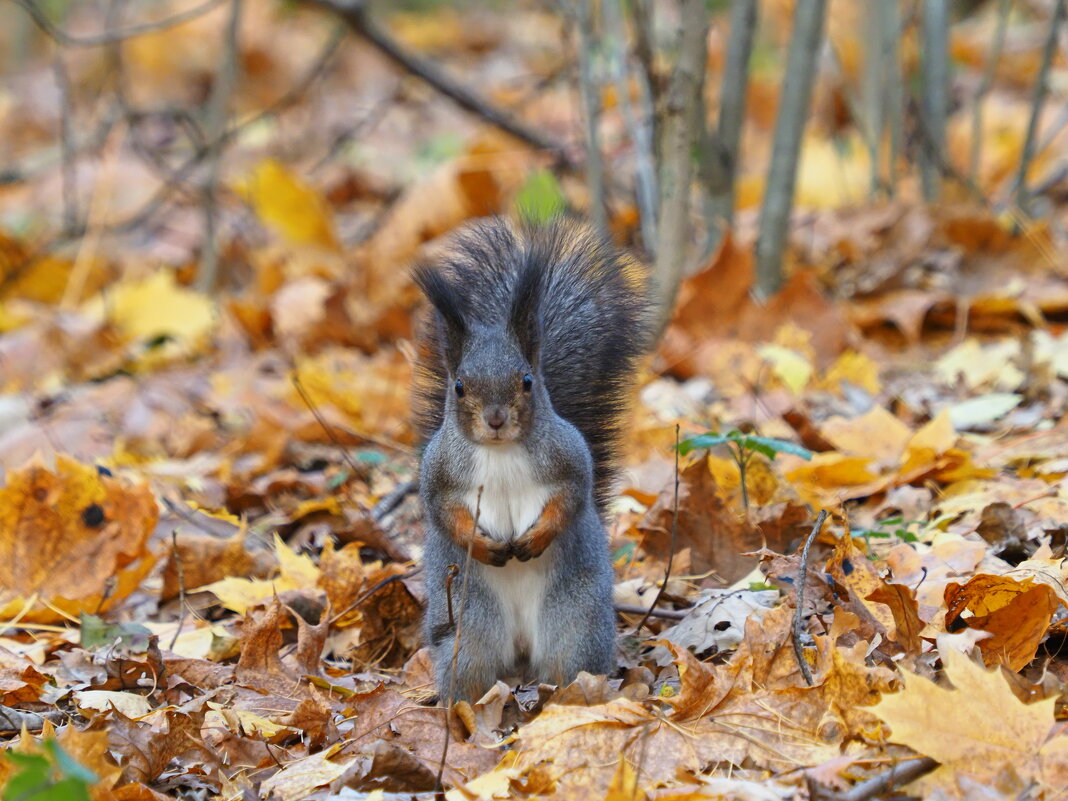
[(794, 101)]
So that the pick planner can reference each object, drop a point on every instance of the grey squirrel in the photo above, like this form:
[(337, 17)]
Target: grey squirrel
[(522, 385)]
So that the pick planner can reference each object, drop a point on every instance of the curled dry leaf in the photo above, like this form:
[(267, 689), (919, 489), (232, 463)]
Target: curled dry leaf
[(1016, 613), (71, 541), (20, 681)]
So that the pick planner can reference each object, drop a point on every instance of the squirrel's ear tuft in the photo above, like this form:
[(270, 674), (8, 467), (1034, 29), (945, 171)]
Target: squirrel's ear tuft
[(450, 308), (524, 317)]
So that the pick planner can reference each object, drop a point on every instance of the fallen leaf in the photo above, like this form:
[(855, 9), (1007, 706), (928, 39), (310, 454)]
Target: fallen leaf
[(71, 541), (288, 205), (978, 729), (1016, 613), (299, 778)]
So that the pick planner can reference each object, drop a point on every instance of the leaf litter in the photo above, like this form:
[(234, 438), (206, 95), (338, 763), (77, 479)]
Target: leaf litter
[(209, 543)]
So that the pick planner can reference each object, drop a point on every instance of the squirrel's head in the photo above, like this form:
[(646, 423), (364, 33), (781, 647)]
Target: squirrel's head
[(493, 383)]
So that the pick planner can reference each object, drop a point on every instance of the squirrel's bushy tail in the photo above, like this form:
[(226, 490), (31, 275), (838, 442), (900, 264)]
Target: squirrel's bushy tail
[(595, 324)]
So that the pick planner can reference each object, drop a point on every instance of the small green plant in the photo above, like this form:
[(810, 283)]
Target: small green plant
[(890, 527), (540, 199), (50, 776), (743, 447)]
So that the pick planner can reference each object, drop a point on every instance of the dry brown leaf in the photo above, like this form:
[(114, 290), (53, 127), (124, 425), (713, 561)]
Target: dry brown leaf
[(71, 541), (717, 535), (1016, 613)]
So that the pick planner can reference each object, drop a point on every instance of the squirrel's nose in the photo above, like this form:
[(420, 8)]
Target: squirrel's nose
[(495, 417)]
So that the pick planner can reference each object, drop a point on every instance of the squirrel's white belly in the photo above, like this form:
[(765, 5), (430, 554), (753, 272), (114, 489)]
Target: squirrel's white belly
[(512, 499)]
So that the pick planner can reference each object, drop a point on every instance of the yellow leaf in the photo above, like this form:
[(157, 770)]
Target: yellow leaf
[(829, 470), (296, 571), (288, 206), (876, 434), (927, 444), (856, 368), (624, 786), (979, 730), (791, 367), (157, 307)]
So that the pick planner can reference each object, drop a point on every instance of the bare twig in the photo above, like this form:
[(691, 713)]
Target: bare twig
[(181, 585), (381, 441), (799, 616), (378, 586), (355, 14), (898, 776), (456, 641), (790, 121), (720, 163), (678, 134), (935, 94), (671, 547), (215, 126), (394, 498), (299, 386), (666, 614), (110, 37), (13, 720), (590, 92), (985, 84), (1038, 100)]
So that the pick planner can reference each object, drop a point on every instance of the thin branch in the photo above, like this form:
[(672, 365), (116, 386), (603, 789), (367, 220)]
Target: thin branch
[(666, 614), (456, 640), (110, 37), (299, 386), (389, 502), (986, 83), (355, 14), (935, 94), (181, 586), (671, 548), (175, 181), (898, 776), (1038, 100), (790, 122), (378, 586), (799, 617)]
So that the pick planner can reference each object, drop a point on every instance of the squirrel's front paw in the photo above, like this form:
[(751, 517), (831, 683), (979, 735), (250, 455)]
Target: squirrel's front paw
[(490, 552), (527, 547)]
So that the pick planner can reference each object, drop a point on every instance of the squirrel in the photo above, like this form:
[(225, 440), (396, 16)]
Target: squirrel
[(522, 385)]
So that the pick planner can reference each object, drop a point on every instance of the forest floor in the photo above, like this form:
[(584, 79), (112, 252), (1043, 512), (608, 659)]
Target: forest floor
[(209, 546)]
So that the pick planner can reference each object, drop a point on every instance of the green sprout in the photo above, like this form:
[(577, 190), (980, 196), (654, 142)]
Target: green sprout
[(743, 447)]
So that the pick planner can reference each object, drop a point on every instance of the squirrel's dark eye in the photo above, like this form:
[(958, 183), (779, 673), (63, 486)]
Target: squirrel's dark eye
[(528, 382), (459, 386)]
